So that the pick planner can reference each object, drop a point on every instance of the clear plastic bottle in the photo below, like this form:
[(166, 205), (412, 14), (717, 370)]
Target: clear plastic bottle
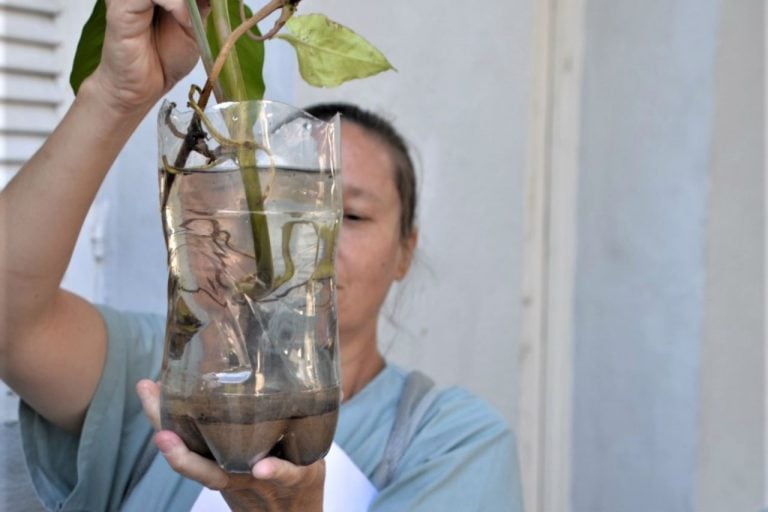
[(251, 349)]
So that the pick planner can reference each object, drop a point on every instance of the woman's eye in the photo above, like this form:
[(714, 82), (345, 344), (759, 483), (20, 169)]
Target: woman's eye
[(353, 216)]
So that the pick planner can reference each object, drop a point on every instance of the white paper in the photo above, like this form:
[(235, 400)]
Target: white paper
[(210, 501), (346, 488)]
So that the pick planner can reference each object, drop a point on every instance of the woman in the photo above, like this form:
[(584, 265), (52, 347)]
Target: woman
[(75, 364)]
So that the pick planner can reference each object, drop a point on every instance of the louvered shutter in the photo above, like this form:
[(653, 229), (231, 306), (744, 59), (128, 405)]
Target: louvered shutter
[(30, 69)]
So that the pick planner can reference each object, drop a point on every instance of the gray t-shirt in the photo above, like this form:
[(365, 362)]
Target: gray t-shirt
[(462, 456)]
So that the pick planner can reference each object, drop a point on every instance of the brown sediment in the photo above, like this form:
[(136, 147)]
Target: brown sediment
[(239, 430)]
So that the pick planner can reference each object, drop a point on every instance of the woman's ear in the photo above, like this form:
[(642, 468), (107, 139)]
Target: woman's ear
[(406, 254)]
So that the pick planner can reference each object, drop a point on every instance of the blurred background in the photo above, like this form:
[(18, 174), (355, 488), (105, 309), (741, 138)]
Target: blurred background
[(593, 239)]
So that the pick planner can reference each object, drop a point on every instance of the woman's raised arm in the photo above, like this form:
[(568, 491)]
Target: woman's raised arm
[(52, 343)]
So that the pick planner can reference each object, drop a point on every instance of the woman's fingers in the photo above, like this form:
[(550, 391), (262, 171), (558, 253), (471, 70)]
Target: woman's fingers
[(180, 13), (179, 457), (282, 472), (188, 463), (178, 10), (272, 468), (149, 394), (148, 47)]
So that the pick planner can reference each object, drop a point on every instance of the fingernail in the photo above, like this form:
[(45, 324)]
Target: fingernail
[(263, 470), (165, 444)]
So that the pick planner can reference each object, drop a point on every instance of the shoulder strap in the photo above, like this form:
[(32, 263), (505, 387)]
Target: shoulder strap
[(418, 394)]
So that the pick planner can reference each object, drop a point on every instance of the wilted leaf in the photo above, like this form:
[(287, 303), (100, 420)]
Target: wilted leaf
[(329, 53), (88, 54)]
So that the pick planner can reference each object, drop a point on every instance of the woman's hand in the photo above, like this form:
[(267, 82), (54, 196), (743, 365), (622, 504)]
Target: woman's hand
[(149, 45), (273, 484)]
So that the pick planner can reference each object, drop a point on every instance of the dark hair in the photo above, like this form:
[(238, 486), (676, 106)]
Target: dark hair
[(405, 175)]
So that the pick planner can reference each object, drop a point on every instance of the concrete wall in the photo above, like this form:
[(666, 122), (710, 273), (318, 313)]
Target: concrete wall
[(646, 129), (669, 331), (731, 447)]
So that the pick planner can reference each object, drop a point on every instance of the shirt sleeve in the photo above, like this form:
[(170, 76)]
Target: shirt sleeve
[(463, 457), (92, 471)]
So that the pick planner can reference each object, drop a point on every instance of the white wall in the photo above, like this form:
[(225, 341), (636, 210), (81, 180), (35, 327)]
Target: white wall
[(731, 449), (85, 273), (669, 323), (646, 130)]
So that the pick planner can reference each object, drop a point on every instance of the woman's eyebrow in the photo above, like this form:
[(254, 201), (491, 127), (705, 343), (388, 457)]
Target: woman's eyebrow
[(355, 192)]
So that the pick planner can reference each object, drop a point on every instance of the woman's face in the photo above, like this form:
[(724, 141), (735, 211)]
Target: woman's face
[(371, 254)]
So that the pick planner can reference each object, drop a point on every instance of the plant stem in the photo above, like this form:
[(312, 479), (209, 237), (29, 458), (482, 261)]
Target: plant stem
[(228, 43), (244, 27), (227, 63), (233, 87), (202, 43), (226, 81)]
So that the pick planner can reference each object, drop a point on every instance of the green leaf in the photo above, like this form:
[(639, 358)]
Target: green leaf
[(250, 53), (88, 54), (330, 54)]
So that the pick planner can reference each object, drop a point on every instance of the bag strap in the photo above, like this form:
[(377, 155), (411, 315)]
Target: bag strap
[(418, 394)]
